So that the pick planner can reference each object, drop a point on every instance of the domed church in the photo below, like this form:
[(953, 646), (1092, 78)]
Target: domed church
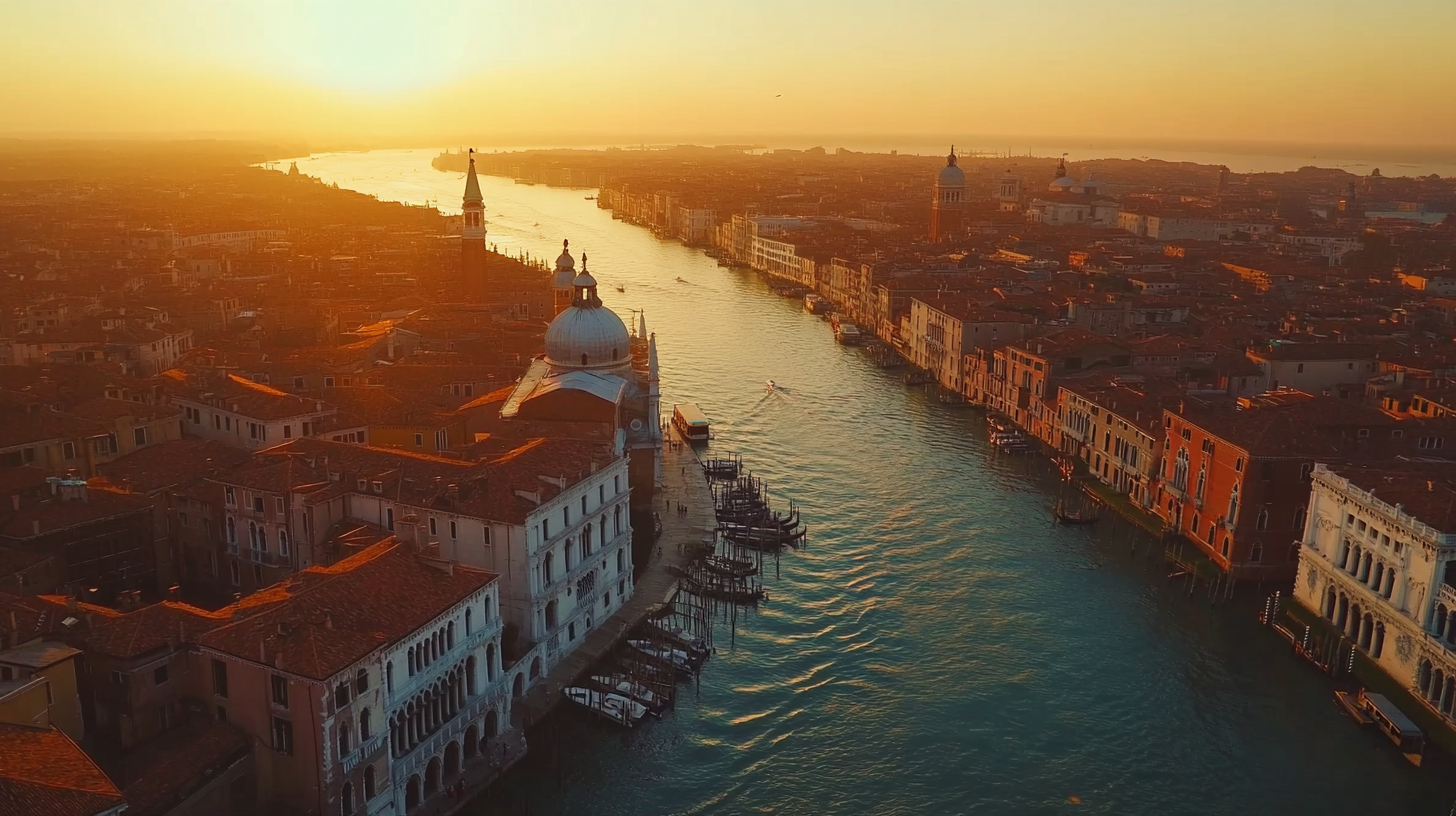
[(595, 370)]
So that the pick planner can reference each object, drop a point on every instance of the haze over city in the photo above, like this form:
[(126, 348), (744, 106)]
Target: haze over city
[(817, 408), (379, 74)]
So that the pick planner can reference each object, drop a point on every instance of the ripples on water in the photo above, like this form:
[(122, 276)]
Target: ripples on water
[(940, 646)]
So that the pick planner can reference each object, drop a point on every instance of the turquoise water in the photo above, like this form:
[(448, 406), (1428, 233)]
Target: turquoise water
[(940, 647)]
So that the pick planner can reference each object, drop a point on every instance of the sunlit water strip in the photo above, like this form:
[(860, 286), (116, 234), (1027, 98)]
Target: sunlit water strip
[(940, 647)]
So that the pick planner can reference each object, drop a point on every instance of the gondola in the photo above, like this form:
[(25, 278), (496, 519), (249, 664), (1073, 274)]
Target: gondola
[(1065, 516), (730, 567)]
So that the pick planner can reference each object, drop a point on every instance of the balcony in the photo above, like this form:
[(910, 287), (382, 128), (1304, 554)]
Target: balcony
[(433, 744), (1448, 596), (366, 753), (411, 685)]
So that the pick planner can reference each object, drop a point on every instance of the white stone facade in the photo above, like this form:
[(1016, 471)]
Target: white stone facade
[(1378, 574)]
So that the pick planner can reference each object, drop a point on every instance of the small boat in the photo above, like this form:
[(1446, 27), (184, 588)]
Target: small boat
[(771, 385), (627, 687), (1350, 703), (1065, 516), (1395, 725), (697, 649), (621, 288), (615, 707), (731, 567), (676, 657)]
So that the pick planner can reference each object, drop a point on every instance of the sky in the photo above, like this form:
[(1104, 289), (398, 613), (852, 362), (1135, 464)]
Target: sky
[(625, 71)]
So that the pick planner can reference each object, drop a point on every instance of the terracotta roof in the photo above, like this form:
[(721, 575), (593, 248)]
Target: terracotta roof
[(323, 620), (1315, 351), (149, 628), (53, 514), (161, 772), (43, 772), (170, 464)]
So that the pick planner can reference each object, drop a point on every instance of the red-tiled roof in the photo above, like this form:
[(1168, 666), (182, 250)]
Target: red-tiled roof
[(161, 772), (44, 773), (323, 620), (149, 628), (171, 464)]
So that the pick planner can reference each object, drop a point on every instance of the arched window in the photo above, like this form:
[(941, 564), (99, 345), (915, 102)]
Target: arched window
[(490, 663), (1225, 546), (346, 799), (467, 621), (1202, 479), (450, 636), (253, 536), (343, 739), (1299, 519), (548, 568), (232, 530), (586, 541), (1257, 553), (283, 542), (361, 681), (485, 610), (389, 676), (617, 520), (411, 661), (1233, 508), (365, 731), (470, 676), (583, 359), (551, 614), (369, 785), (1262, 521)]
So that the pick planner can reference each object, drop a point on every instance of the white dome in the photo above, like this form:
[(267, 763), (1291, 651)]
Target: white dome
[(950, 176), (587, 336), (1060, 184)]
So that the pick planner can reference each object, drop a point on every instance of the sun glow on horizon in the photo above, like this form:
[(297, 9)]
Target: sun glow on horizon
[(1331, 71)]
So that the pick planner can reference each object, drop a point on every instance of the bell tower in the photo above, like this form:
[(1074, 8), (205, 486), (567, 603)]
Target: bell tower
[(561, 287), (472, 235), (945, 206)]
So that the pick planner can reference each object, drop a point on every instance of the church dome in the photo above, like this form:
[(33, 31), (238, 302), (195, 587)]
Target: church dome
[(565, 269), (1060, 185), (950, 175), (587, 335)]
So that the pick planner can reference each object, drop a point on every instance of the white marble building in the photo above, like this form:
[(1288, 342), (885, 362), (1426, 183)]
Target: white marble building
[(1376, 562)]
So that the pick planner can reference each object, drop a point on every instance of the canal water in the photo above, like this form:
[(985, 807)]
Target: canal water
[(941, 647)]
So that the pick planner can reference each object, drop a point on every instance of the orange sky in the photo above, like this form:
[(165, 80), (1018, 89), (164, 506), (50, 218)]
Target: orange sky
[(595, 71)]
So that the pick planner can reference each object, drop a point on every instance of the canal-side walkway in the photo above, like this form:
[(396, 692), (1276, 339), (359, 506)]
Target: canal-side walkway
[(683, 483)]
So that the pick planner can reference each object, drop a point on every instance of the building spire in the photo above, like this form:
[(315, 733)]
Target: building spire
[(950, 161), (472, 184)]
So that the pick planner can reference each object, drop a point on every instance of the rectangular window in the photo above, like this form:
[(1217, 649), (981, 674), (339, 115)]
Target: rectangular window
[(419, 440), (234, 573), (341, 695), (452, 531), (389, 518), (139, 435), (229, 497), (257, 504), (442, 440), (432, 526), (68, 450), (219, 678), (287, 431), (328, 382), (280, 691), (159, 675), (282, 736)]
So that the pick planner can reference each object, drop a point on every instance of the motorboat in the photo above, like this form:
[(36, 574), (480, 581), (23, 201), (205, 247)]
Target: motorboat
[(771, 385), (627, 687), (676, 657), (615, 707), (697, 648)]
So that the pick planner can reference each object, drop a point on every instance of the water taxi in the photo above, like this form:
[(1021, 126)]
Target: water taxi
[(814, 304), (691, 423), (847, 333), (627, 687), (770, 385), (614, 707), (1395, 725)]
